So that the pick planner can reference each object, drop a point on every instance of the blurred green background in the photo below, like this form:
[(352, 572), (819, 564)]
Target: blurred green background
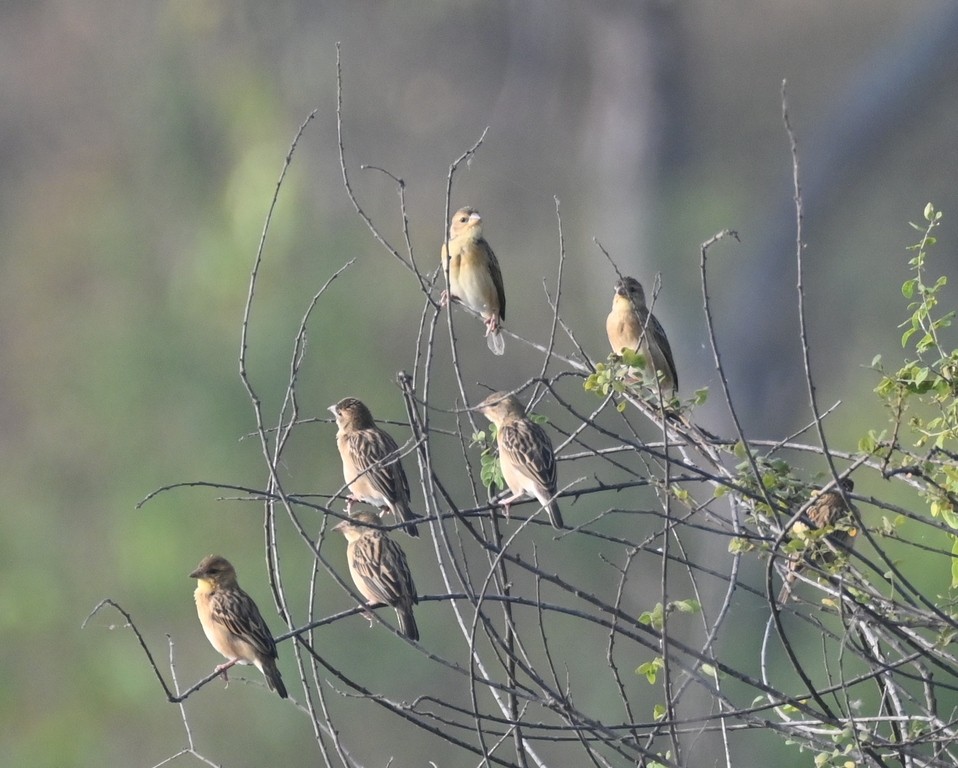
[(140, 146)]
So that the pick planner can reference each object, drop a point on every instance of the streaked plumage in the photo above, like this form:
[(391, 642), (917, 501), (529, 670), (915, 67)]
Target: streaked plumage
[(232, 622), (525, 453), (379, 569), (371, 466), (630, 325), (827, 510), (474, 275)]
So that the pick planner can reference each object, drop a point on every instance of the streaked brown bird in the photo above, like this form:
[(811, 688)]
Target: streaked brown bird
[(631, 326), (525, 453), (474, 275), (379, 569), (233, 623), (371, 465), (827, 511)]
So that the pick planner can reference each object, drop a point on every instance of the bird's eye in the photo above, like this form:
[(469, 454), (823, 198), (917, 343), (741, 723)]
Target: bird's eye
[(463, 219)]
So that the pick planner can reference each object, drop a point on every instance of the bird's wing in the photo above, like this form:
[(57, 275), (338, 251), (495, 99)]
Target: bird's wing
[(529, 449), (376, 455), (496, 274), (381, 564), (657, 335), (236, 611)]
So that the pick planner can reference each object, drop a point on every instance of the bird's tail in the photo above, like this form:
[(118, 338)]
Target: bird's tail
[(273, 678), (785, 593), (495, 342), (407, 622), (554, 516), (404, 513)]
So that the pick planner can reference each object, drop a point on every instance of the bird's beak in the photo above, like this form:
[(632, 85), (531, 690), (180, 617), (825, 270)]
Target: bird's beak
[(340, 525), (332, 410), (195, 574), (619, 288), (475, 217)]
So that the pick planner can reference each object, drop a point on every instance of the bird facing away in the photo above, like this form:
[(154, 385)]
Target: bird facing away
[(371, 466), (631, 326), (233, 623), (525, 453), (379, 569), (826, 511), (474, 275)]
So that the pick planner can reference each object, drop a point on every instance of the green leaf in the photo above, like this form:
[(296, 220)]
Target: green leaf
[(687, 606), (651, 669), (633, 359), (654, 618), (737, 545), (658, 713)]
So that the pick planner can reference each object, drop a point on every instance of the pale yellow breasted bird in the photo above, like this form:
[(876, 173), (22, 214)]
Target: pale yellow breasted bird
[(371, 465), (828, 509), (631, 326), (379, 569), (526, 456), (474, 275), (233, 623)]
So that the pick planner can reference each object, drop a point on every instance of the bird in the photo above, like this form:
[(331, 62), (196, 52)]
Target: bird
[(828, 510), (475, 278), (371, 466), (526, 457), (233, 623), (379, 569), (631, 326)]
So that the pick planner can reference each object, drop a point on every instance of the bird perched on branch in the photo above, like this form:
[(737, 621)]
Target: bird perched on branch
[(233, 623), (474, 275), (371, 465), (379, 569), (631, 326), (827, 513), (525, 453)]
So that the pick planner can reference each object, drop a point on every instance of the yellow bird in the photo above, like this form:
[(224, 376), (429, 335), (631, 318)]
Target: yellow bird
[(827, 511), (379, 569), (631, 326), (371, 466), (525, 453), (474, 275), (233, 623)]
